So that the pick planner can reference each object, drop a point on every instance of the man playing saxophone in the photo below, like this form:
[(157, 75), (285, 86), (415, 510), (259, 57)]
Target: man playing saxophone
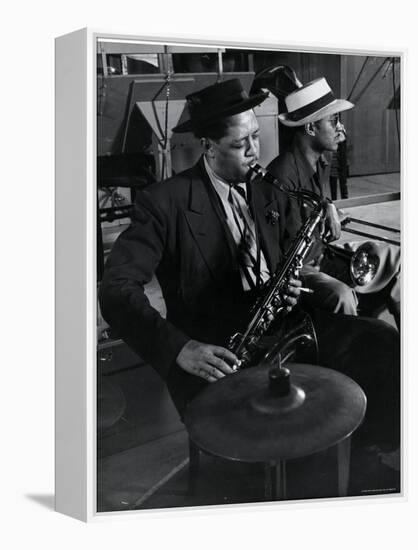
[(213, 235)]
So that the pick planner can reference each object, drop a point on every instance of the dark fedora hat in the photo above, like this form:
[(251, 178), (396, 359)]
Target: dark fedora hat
[(217, 101)]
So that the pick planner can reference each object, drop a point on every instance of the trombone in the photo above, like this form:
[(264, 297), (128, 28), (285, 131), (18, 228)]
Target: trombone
[(349, 219), (359, 267)]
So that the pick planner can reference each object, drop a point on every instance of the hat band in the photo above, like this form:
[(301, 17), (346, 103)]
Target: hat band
[(311, 108)]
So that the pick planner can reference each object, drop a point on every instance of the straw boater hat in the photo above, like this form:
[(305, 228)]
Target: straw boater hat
[(217, 101), (312, 102)]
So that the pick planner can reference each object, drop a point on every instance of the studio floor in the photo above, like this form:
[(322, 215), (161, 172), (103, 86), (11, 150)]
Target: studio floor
[(155, 475), (359, 186)]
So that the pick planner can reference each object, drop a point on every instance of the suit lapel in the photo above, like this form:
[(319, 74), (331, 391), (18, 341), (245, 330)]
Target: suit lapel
[(209, 231), (268, 225)]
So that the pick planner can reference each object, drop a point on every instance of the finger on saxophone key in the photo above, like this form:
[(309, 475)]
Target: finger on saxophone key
[(307, 290), (237, 365)]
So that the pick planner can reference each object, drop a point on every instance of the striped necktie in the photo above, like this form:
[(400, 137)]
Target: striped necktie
[(248, 253)]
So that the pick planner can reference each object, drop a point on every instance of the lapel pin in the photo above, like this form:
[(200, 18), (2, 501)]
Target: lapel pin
[(272, 217)]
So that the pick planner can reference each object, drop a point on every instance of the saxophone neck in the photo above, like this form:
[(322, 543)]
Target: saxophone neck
[(309, 197), (304, 195)]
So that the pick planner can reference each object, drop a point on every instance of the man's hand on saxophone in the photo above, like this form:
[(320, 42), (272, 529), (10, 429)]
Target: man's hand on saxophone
[(292, 294), (214, 362), (207, 361)]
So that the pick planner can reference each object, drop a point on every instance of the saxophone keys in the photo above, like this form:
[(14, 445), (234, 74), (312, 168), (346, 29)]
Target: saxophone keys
[(237, 365), (276, 300), (270, 313), (234, 339), (267, 319)]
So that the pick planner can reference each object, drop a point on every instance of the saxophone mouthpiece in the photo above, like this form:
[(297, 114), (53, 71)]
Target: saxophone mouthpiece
[(257, 169)]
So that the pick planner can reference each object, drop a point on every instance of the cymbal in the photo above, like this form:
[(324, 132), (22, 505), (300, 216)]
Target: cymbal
[(239, 418)]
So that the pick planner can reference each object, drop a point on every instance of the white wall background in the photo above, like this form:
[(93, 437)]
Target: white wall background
[(26, 352)]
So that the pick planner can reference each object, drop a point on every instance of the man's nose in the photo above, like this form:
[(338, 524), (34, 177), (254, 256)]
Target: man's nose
[(341, 130), (340, 127), (252, 149)]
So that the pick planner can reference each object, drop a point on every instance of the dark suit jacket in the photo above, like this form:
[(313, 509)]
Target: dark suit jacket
[(179, 234), (294, 172)]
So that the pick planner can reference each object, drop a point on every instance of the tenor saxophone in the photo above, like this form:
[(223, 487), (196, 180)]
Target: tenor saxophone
[(271, 307)]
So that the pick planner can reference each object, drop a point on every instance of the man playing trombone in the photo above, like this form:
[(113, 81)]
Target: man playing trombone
[(314, 114)]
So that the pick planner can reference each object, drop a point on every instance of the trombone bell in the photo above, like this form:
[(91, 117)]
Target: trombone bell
[(364, 264), (356, 268)]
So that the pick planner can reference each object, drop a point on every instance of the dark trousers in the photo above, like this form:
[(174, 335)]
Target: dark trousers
[(333, 182), (368, 351)]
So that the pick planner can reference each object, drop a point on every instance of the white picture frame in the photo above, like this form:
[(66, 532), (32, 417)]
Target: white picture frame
[(76, 251)]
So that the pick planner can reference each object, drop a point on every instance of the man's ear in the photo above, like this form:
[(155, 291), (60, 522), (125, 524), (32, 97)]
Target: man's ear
[(310, 129), (208, 147)]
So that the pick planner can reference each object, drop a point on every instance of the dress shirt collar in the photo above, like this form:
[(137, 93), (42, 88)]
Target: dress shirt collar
[(222, 187)]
